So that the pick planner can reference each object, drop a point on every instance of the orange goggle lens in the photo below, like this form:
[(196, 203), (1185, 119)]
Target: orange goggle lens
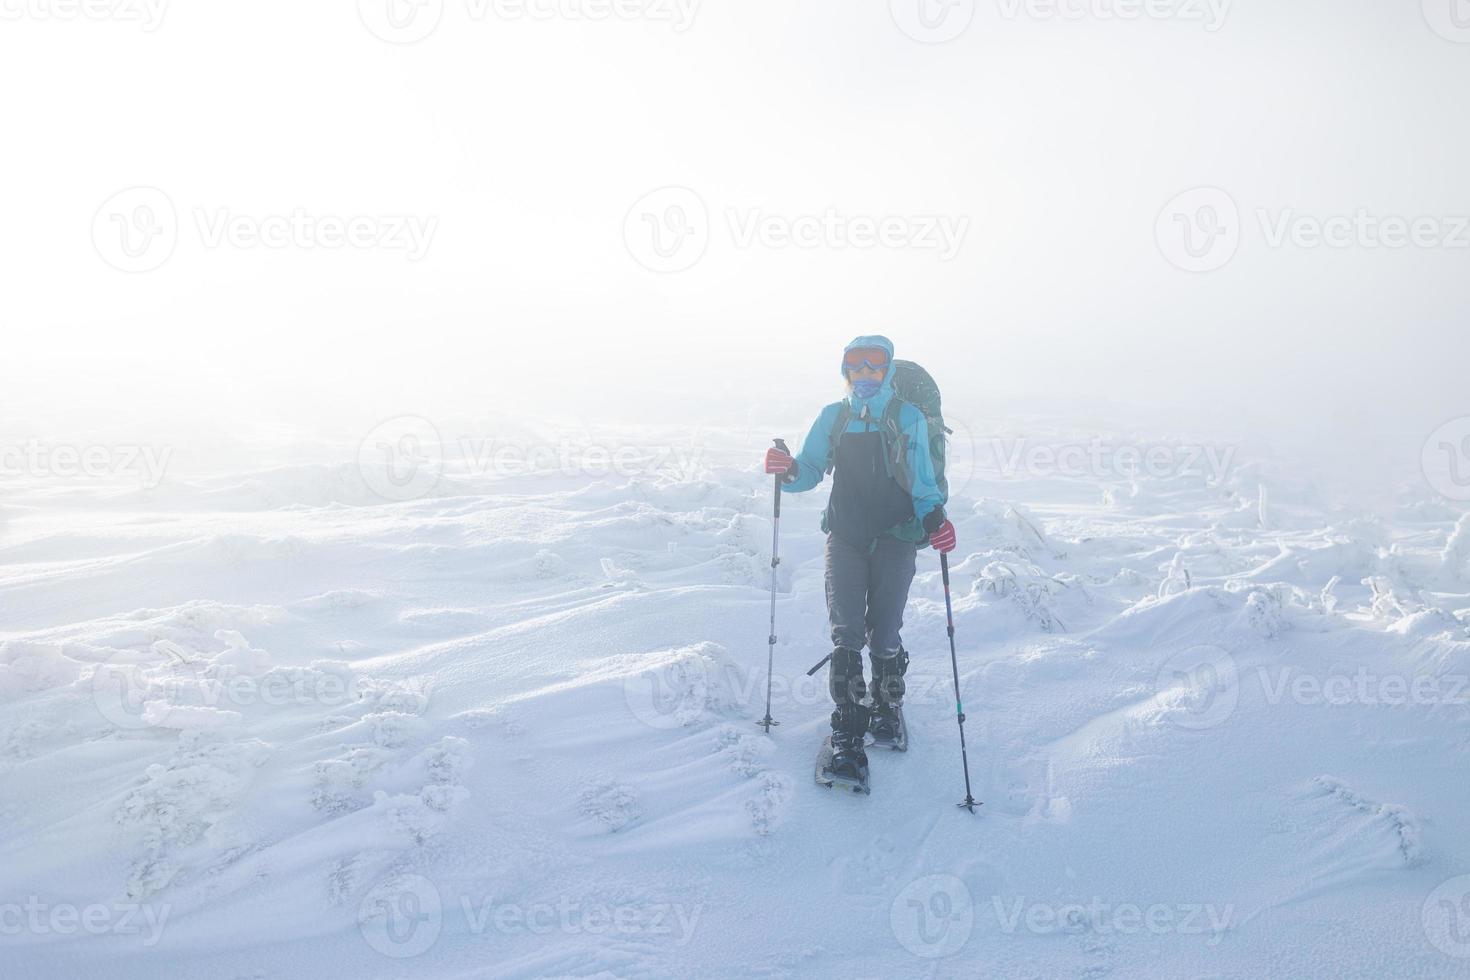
[(874, 357)]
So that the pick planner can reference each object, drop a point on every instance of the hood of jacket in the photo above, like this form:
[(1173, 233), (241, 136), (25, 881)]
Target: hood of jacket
[(879, 401)]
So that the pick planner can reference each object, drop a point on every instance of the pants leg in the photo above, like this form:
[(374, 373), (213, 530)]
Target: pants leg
[(890, 573), (847, 594)]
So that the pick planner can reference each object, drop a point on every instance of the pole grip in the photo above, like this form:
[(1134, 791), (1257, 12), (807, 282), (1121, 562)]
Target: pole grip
[(781, 445)]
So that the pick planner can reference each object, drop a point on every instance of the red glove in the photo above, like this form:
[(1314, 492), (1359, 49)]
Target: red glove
[(779, 462), (943, 539)]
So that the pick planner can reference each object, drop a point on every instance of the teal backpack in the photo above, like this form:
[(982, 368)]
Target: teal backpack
[(914, 385)]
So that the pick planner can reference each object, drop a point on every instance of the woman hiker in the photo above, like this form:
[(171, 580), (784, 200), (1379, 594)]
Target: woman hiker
[(885, 504)]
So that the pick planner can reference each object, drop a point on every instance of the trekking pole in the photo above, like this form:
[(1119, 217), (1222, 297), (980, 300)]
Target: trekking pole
[(768, 721), (970, 802)]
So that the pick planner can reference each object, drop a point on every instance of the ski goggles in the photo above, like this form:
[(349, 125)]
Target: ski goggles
[(873, 357)]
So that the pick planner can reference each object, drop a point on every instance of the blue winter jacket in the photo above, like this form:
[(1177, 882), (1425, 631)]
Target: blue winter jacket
[(866, 414)]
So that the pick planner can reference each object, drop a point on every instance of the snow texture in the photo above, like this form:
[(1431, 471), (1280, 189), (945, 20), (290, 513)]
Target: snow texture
[(272, 725)]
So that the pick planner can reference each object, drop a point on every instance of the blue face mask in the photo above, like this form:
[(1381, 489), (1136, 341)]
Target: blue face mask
[(866, 388)]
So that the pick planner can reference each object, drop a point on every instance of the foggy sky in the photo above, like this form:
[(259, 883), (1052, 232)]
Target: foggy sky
[(1056, 141)]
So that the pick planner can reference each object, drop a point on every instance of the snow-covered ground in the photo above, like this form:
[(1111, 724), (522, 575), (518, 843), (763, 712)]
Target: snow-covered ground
[(311, 717)]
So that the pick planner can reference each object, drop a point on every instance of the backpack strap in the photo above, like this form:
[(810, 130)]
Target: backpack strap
[(896, 445), (844, 415)]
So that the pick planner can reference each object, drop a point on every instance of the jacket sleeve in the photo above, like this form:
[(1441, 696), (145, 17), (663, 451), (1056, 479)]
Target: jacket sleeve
[(811, 462), (921, 465)]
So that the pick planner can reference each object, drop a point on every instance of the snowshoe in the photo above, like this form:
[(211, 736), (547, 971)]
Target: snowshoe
[(846, 769), (887, 728)]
